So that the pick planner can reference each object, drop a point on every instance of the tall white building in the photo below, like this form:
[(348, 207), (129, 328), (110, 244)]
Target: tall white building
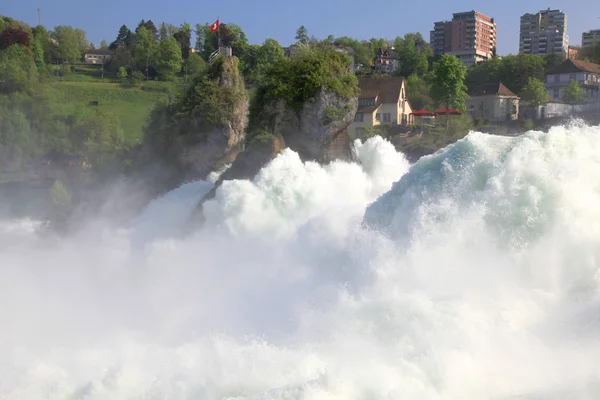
[(544, 32)]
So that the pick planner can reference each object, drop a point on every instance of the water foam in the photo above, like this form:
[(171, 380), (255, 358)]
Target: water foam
[(473, 276)]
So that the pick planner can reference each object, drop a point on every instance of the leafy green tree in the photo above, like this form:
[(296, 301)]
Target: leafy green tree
[(68, 48), (145, 48), (17, 140), (183, 37), (515, 71), (364, 52), (204, 45), (37, 49), (169, 58), (122, 73), (418, 93), (552, 61), (573, 94), (487, 72), (261, 58), (413, 60), (302, 35), (152, 29), (40, 33), (17, 69), (163, 32), (448, 87), (82, 41), (534, 92), (59, 195), (194, 64)]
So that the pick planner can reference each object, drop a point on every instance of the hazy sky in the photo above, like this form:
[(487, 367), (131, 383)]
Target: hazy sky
[(261, 19)]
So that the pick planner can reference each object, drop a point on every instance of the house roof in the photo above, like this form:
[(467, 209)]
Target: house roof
[(105, 52), (570, 66), (491, 89), (369, 109), (386, 87)]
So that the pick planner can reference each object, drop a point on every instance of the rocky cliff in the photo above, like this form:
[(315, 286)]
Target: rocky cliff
[(294, 110), (201, 132)]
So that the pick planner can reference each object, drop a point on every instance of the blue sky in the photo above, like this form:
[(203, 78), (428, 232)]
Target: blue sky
[(261, 19)]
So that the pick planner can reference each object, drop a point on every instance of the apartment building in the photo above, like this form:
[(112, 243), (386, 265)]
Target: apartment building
[(470, 36), (590, 39), (544, 32)]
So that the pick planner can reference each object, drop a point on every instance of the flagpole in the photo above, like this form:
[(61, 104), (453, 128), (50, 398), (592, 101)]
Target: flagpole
[(219, 32)]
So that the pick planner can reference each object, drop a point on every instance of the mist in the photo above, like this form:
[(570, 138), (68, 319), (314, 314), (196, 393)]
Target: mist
[(470, 274)]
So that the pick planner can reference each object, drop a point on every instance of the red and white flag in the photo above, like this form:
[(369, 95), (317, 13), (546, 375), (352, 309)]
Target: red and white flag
[(215, 26)]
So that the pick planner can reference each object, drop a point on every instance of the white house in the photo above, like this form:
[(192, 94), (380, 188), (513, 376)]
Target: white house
[(586, 74)]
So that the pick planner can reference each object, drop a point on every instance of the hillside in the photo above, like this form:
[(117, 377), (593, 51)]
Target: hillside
[(131, 105)]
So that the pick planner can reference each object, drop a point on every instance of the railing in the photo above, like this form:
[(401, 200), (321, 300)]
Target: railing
[(213, 56), (223, 50)]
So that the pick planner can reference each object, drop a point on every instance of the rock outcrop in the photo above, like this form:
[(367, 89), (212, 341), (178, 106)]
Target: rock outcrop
[(201, 132), (306, 104), (318, 131)]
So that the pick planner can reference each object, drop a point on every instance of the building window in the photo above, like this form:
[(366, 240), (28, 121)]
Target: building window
[(387, 117), (358, 117), (573, 77), (556, 93), (377, 117)]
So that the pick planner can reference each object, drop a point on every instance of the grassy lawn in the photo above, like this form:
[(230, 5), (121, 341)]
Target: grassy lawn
[(131, 105)]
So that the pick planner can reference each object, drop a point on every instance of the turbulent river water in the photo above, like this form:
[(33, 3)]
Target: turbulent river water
[(472, 274)]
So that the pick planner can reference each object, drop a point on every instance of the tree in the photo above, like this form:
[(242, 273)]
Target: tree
[(124, 38), (163, 32), (183, 37), (487, 72), (122, 73), (413, 60), (152, 29), (17, 69), (37, 49), (302, 35), (573, 94), (448, 84), (260, 59), (203, 44), (534, 93), (169, 58), (13, 36), (103, 44), (194, 64), (68, 48), (417, 92), (59, 195), (82, 40), (145, 48), (552, 61), (514, 71)]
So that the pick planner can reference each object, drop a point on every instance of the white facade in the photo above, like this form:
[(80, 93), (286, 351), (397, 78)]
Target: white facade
[(589, 83)]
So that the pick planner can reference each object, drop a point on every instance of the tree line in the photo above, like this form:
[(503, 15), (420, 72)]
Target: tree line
[(27, 55)]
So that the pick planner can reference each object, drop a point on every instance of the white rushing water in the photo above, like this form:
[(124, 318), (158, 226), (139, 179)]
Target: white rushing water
[(473, 276)]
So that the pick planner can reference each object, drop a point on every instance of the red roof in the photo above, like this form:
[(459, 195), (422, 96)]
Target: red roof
[(451, 111), (422, 112)]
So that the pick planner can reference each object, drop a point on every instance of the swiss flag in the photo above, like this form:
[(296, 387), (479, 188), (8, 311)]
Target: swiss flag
[(215, 26)]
